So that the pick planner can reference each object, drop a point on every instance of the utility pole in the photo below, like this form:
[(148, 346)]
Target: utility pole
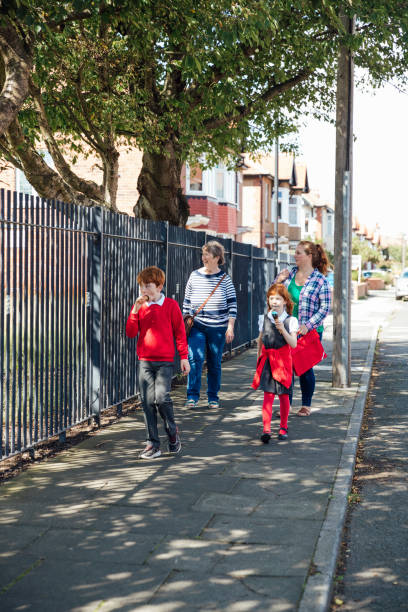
[(276, 201), (343, 214)]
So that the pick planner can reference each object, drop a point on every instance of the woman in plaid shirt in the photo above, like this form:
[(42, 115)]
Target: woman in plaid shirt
[(310, 292)]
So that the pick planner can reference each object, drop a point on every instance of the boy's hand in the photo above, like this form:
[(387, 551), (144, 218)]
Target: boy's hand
[(185, 366), (140, 300)]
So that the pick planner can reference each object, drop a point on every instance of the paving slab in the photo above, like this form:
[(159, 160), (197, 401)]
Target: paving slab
[(221, 593), (229, 524), (49, 585), (261, 530)]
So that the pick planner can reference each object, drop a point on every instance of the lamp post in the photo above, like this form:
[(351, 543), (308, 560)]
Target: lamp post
[(343, 213), (276, 200)]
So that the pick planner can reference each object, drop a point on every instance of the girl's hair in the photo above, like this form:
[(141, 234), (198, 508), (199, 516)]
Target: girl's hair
[(152, 274), (216, 250), (283, 292), (319, 257)]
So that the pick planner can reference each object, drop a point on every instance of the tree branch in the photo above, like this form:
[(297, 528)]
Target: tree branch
[(89, 188), (243, 111), (43, 178), (17, 67)]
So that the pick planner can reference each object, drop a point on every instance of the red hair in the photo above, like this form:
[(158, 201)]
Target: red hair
[(152, 274), (319, 257), (283, 292)]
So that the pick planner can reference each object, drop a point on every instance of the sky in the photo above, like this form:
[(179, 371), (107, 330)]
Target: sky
[(380, 159)]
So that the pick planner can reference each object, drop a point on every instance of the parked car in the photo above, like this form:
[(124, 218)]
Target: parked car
[(377, 272), (401, 286)]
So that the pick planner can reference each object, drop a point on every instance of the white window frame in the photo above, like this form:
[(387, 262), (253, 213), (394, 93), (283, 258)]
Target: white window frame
[(21, 177), (203, 185)]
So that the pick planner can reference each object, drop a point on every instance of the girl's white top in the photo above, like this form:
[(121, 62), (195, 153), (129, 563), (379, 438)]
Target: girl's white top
[(293, 323)]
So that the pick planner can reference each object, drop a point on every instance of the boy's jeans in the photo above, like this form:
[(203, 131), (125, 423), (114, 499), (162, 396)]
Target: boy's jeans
[(211, 340), (154, 387)]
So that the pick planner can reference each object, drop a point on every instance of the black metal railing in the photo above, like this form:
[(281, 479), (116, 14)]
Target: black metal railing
[(67, 283)]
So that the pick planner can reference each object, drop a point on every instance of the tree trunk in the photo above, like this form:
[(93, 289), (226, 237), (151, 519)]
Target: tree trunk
[(160, 194), (16, 66), (111, 177)]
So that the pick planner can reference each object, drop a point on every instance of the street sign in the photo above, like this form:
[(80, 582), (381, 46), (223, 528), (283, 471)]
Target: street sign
[(355, 262)]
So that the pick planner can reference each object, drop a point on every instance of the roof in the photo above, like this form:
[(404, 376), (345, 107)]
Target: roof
[(313, 198), (254, 167), (302, 181), (286, 167)]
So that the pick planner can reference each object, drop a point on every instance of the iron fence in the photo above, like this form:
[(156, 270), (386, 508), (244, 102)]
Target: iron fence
[(67, 283)]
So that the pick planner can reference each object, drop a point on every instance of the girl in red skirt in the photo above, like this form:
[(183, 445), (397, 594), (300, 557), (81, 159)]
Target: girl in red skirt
[(278, 333)]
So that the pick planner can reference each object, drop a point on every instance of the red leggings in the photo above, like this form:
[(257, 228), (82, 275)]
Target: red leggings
[(267, 411)]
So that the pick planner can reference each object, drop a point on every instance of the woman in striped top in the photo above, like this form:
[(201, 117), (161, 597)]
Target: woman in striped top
[(213, 325)]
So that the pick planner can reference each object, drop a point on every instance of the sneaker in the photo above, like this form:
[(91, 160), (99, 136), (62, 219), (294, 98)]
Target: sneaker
[(190, 404), (214, 405), (265, 437), (150, 452), (283, 434), (174, 445)]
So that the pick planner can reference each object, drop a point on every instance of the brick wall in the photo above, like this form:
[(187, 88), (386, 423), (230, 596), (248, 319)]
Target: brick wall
[(7, 176), (223, 218), (294, 233)]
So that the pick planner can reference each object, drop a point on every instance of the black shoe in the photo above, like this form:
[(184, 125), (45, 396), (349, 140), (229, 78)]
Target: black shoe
[(284, 434), (265, 437), (150, 452), (174, 445)]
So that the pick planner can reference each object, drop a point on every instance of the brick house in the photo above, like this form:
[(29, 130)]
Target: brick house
[(214, 195), (256, 217), (318, 220)]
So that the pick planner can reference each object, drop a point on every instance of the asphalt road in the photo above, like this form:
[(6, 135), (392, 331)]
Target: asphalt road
[(374, 578)]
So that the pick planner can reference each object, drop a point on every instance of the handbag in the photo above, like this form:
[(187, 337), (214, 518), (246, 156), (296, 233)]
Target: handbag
[(189, 319), (308, 352)]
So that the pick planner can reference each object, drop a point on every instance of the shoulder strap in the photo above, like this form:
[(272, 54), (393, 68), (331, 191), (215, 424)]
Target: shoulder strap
[(213, 291)]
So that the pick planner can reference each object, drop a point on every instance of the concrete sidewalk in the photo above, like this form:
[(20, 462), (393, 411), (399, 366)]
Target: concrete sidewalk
[(230, 524)]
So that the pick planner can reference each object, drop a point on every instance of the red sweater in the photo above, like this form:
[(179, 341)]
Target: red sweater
[(158, 327)]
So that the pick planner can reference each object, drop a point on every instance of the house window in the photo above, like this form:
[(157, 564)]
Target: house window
[(196, 179), (220, 182), (266, 200), (306, 225), (279, 210), (22, 183), (329, 224), (293, 216)]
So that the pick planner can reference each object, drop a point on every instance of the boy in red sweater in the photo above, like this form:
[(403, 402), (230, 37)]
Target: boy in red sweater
[(158, 321)]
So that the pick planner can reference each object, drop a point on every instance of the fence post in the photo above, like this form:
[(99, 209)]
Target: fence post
[(165, 235), (95, 327)]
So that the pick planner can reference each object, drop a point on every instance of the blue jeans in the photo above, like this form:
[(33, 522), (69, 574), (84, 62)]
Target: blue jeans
[(201, 341), (307, 384)]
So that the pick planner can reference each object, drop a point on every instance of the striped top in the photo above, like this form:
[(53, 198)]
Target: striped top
[(221, 306)]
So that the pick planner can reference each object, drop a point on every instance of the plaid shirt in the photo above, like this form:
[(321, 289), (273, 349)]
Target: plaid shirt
[(314, 298)]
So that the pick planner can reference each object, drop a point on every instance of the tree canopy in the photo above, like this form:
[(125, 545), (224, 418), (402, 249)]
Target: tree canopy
[(184, 80)]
